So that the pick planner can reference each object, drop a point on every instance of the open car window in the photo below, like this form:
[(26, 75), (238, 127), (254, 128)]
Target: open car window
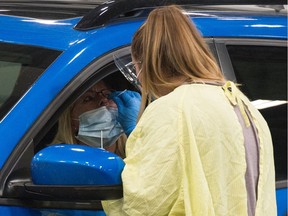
[(92, 95)]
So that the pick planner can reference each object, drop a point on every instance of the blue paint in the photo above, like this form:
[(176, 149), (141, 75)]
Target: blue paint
[(61, 35), (76, 165), (12, 211), (79, 50), (84, 47), (21, 211), (282, 201)]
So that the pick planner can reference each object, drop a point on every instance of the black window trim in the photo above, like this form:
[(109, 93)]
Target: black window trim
[(224, 59)]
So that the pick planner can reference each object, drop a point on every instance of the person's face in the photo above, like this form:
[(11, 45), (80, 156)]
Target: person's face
[(92, 99)]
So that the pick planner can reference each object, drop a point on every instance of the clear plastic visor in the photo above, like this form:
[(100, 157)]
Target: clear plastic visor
[(127, 68)]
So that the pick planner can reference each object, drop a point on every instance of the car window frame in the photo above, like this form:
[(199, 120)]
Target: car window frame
[(24, 150)]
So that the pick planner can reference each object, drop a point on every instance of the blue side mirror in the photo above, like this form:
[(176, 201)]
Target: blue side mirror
[(76, 165), (84, 172)]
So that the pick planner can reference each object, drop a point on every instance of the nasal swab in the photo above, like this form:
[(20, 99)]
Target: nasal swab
[(121, 92), (102, 140)]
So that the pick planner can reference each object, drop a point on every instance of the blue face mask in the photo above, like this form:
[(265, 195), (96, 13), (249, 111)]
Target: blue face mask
[(99, 127)]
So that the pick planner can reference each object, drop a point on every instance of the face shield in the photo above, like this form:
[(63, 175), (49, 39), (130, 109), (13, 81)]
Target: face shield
[(127, 68)]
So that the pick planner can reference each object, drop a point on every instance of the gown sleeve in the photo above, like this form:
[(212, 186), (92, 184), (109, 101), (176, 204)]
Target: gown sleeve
[(152, 180)]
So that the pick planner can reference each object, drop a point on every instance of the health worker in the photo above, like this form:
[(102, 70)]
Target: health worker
[(200, 147)]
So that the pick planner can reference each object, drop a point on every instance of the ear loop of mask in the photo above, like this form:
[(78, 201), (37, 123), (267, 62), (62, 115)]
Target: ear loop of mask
[(139, 73), (139, 86)]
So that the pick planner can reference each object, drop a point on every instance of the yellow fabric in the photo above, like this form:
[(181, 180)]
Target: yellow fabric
[(186, 156), (234, 96)]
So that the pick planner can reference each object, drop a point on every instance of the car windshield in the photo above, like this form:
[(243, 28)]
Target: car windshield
[(20, 66)]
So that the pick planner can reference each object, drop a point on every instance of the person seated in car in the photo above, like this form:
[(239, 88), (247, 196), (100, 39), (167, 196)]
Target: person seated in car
[(91, 120)]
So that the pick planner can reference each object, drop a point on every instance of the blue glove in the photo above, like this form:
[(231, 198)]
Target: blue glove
[(128, 103)]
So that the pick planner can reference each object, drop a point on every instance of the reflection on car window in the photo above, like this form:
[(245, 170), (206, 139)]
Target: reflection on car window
[(9, 71), (262, 73), (20, 66)]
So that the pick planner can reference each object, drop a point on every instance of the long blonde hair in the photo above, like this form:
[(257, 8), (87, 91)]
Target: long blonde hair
[(171, 51), (65, 132)]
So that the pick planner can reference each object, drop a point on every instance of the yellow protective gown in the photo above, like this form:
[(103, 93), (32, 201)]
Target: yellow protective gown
[(186, 156)]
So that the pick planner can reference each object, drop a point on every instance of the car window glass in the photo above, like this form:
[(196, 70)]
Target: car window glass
[(9, 71), (262, 73), (20, 66)]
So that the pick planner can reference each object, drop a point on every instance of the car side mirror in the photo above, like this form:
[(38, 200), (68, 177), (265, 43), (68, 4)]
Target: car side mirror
[(76, 171), (76, 165)]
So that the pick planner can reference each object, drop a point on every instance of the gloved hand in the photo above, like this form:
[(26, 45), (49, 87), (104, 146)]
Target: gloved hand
[(128, 104)]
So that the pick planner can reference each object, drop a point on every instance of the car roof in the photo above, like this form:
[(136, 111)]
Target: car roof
[(52, 23), (63, 9)]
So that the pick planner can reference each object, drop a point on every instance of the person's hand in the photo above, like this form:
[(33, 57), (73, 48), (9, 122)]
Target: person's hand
[(128, 103)]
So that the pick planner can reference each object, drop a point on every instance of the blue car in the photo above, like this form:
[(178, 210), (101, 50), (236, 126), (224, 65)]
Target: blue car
[(51, 52)]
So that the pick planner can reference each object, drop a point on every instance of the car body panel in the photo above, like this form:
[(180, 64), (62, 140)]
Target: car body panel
[(63, 70), (85, 47), (41, 32), (20, 211), (282, 201), (81, 48)]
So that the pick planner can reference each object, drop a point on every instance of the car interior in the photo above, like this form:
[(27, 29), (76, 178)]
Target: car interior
[(115, 79)]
